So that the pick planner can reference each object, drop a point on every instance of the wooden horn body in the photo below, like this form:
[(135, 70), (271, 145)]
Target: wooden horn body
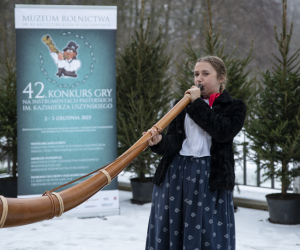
[(23, 211)]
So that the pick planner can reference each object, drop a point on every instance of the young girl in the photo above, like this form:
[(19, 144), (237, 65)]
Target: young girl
[(192, 205)]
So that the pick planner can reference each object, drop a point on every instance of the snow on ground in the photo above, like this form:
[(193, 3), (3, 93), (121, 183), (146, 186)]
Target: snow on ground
[(255, 232), (128, 231), (254, 193)]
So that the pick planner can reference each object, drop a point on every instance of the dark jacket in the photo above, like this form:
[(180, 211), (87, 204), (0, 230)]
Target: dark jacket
[(223, 122)]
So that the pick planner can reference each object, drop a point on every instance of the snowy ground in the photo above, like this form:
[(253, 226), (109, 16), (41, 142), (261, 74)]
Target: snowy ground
[(128, 231)]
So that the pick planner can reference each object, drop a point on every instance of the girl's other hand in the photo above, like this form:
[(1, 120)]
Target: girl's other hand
[(155, 139)]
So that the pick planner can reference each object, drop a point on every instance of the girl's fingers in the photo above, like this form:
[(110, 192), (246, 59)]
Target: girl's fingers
[(150, 142), (155, 139), (194, 93)]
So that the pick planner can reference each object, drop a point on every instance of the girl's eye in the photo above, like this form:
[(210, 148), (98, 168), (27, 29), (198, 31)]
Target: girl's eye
[(206, 74), (196, 74)]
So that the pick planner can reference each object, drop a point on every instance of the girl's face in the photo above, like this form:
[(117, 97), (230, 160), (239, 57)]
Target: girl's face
[(206, 75)]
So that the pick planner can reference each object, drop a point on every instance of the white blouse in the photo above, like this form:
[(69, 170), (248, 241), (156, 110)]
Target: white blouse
[(197, 142)]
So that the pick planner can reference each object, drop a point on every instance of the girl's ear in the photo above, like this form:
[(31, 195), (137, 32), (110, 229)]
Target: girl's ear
[(221, 79)]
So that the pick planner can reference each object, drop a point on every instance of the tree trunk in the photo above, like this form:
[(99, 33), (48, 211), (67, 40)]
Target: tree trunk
[(136, 13), (14, 158), (142, 176), (284, 180), (272, 168), (167, 17), (14, 168), (152, 18)]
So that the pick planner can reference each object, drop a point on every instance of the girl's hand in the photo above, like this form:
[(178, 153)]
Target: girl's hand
[(194, 92), (155, 139)]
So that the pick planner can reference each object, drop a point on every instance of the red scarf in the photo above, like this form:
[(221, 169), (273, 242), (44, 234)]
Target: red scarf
[(212, 98)]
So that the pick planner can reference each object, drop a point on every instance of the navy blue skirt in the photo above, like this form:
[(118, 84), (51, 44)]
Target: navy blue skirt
[(185, 214)]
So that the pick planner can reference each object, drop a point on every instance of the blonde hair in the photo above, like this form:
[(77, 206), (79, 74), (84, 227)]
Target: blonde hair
[(219, 66)]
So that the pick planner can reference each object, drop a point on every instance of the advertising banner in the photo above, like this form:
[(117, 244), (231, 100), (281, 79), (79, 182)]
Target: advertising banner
[(66, 95)]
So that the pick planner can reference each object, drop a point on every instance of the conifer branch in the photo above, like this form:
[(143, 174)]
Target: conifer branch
[(292, 57), (277, 59), (237, 43)]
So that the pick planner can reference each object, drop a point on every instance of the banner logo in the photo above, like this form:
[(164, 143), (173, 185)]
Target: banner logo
[(67, 60)]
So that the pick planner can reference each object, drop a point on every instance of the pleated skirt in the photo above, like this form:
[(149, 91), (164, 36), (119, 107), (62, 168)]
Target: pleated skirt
[(185, 214)]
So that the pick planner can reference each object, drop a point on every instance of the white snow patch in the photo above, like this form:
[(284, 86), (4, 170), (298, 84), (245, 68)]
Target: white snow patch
[(254, 193)]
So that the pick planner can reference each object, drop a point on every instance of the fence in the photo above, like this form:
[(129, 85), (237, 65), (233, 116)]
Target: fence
[(249, 172), (5, 166)]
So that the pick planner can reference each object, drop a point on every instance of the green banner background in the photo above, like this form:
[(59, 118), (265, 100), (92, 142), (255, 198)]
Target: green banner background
[(66, 125)]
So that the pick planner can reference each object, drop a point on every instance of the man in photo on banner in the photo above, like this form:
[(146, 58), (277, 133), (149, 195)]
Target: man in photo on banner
[(67, 62)]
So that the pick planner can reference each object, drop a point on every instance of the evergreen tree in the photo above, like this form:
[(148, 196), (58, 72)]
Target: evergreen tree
[(8, 106), (275, 124), (143, 92), (240, 84)]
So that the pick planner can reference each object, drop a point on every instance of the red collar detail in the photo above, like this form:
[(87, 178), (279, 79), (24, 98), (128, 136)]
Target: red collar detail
[(212, 98)]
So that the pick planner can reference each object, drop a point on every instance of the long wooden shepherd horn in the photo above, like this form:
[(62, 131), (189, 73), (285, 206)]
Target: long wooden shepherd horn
[(18, 212)]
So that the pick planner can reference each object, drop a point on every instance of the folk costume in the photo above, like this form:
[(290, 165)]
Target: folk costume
[(67, 67), (192, 207)]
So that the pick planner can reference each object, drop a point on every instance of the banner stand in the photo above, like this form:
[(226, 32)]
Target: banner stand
[(66, 99)]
